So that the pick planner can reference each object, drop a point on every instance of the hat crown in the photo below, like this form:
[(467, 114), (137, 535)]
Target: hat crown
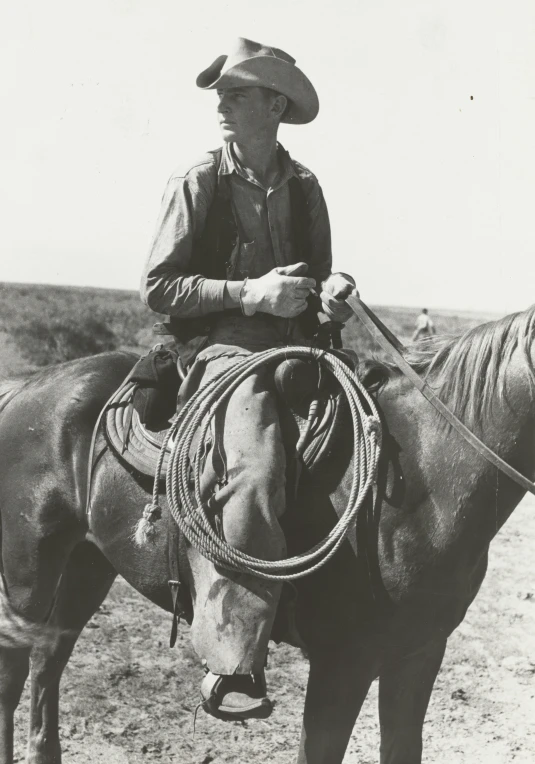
[(245, 49)]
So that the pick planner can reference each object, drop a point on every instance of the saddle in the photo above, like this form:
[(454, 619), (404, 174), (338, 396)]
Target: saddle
[(311, 415)]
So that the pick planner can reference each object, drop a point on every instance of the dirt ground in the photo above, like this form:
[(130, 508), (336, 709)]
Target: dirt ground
[(127, 698)]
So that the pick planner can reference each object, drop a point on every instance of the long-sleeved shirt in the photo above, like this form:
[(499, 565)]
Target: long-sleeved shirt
[(264, 221)]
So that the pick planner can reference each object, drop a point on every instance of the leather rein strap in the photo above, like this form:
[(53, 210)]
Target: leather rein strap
[(391, 345)]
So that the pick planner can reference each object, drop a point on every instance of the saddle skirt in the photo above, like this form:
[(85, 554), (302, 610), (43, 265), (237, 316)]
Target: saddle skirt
[(134, 443), (140, 447)]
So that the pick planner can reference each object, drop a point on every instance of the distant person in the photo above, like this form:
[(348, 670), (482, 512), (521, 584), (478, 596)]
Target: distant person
[(424, 326)]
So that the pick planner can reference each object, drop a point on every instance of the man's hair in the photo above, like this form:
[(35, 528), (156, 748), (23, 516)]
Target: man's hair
[(424, 310)]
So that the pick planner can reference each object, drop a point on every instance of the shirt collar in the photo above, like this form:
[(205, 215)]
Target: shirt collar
[(230, 164)]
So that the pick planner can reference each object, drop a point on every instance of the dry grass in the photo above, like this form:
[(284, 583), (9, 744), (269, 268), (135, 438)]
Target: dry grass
[(49, 324), (40, 323)]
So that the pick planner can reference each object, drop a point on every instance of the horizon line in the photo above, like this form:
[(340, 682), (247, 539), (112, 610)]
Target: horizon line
[(416, 307)]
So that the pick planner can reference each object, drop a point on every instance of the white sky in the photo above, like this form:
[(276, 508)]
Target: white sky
[(431, 194)]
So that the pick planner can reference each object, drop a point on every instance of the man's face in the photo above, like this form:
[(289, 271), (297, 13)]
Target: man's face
[(245, 114)]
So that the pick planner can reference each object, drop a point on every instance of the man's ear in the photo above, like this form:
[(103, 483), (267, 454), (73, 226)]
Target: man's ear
[(279, 105)]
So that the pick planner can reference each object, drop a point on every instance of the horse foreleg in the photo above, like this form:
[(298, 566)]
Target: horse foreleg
[(404, 692), (14, 665), (84, 585), (338, 683)]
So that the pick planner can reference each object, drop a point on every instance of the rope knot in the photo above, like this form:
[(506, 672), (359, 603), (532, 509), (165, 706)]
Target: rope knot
[(152, 512), (145, 529), (373, 426)]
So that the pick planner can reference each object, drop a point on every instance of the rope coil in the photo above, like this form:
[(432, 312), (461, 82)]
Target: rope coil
[(189, 514)]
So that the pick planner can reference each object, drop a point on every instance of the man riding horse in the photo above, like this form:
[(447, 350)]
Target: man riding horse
[(242, 243)]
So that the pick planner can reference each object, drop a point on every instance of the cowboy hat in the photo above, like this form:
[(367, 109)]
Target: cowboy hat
[(251, 64)]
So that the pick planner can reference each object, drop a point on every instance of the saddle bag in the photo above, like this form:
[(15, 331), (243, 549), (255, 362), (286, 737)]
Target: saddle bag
[(157, 381)]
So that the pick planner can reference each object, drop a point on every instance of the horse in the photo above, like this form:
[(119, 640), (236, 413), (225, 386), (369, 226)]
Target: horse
[(383, 607)]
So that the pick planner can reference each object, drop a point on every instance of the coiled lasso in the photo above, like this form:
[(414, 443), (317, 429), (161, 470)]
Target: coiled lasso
[(198, 413)]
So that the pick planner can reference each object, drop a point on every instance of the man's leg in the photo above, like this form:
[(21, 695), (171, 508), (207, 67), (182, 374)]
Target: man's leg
[(234, 612)]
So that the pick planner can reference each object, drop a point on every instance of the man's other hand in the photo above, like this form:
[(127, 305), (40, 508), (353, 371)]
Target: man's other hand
[(281, 292), (334, 292)]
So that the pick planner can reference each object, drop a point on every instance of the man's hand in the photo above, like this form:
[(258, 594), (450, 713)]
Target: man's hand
[(281, 292), (334, 292)]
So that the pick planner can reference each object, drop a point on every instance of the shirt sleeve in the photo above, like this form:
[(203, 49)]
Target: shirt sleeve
[(167, 284)]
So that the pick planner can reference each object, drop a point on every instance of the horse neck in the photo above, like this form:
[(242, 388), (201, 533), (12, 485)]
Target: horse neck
[(509, 430), (445, 475)]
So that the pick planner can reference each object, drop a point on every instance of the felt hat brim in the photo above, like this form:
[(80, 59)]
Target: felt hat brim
[(267, 72)]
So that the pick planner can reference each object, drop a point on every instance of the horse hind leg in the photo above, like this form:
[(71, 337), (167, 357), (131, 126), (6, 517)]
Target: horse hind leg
[(14, 666), (404, 692), (17, 636), (84, 585)]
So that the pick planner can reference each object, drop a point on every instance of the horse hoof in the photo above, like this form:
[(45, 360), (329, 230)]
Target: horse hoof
[(239, 696)]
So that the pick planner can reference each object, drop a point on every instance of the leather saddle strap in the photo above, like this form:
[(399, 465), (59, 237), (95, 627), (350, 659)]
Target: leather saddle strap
[(391, 345), (93, 443), (175, 584)]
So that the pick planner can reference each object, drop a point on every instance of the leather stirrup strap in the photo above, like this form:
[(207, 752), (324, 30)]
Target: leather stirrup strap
[(175, 585), (391, 345), (174, 572)]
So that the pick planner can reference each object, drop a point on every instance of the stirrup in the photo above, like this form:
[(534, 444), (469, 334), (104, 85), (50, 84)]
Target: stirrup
[(217, 689)]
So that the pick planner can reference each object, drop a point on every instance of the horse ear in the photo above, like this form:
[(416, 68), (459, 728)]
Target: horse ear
[(373, 374)]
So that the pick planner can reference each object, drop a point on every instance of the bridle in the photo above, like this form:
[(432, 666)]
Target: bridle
[(391, 345)]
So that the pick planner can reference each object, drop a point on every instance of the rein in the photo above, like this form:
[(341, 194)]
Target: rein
[(391, 345), (190, 514)]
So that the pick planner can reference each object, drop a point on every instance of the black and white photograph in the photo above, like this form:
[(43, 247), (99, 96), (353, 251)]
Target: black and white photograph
[(267, 382)]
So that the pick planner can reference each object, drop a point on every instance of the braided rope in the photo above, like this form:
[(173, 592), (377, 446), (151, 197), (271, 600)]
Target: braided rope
[(190, 515)]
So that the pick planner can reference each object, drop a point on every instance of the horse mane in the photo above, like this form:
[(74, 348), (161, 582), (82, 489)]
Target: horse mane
[(467, 371), (10, 387)]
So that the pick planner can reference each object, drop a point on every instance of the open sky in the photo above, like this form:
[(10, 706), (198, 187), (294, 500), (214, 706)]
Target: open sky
[(424, 144)]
